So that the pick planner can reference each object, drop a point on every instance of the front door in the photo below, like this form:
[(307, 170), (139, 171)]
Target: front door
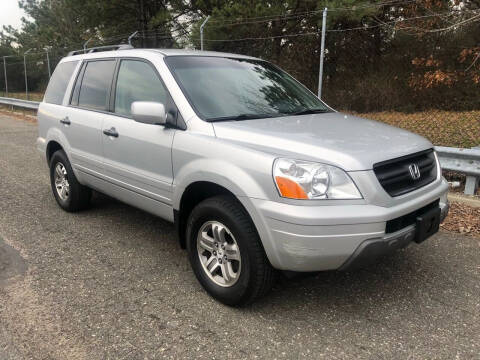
[(137, 156)]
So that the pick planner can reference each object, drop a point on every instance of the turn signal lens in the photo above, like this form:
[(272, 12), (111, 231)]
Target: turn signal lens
[(290, 189)]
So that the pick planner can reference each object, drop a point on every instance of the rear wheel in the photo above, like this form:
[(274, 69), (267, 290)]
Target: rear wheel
[(69, 193), (226, 253)]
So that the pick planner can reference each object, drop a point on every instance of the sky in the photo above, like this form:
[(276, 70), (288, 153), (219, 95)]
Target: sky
[(10, 13)]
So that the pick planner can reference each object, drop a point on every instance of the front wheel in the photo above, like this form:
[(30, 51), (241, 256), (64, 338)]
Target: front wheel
[(225, 252)]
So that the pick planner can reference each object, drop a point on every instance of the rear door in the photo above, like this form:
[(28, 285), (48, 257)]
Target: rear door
[(138, 157), (88, 107), (52, 111)]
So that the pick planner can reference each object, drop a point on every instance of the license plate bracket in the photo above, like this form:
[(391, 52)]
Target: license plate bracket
[(427, 224)]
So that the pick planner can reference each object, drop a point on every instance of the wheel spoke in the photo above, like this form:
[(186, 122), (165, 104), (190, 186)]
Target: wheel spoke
[(227, 271), (206, 242), (58, 170), (231, 250), (225, 274), (209, 260), (212, 264), (219, 232)]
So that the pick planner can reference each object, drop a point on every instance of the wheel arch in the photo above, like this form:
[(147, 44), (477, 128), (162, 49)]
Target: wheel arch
[(193, 194), (52, 147), (56, 140), (201, 190)]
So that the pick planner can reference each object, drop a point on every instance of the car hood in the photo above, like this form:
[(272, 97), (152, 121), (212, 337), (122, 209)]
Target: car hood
[(346, 141)]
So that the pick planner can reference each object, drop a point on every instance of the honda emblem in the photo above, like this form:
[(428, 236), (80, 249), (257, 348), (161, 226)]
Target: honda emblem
[(414, 171)]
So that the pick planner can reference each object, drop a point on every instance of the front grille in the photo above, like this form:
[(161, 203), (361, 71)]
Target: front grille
[(408, 219), (395, 175)]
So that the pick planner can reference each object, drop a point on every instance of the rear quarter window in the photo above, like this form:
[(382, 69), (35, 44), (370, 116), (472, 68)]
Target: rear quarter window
[(59, 82)]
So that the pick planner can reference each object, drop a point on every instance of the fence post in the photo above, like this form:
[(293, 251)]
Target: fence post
[(322, 52), (5, 72), (48, 64), (201, 32), (85, 45), (131, 37), (25, 70)]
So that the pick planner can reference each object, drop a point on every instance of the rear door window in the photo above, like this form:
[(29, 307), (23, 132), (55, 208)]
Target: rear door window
[(96, 82), (59, 82)]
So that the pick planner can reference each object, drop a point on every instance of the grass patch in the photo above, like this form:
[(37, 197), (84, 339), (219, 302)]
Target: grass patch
[(442, 128), (34, 96)]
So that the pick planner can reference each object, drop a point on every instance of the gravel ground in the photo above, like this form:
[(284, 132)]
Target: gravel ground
[(112, 283)]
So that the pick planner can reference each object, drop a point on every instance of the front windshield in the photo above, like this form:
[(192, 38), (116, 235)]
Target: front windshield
[(228, 88)]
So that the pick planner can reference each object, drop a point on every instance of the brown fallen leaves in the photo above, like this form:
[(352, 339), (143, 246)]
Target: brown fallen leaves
[(442, 128), (462, 219)]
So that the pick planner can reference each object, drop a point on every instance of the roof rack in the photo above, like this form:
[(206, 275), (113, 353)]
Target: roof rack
[(100, 48)]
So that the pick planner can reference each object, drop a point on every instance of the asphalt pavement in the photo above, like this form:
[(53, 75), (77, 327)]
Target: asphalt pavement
[(112, 283)]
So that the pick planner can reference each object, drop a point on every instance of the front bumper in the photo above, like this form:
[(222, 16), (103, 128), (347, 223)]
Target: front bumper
[(343, 236), (372, 249)]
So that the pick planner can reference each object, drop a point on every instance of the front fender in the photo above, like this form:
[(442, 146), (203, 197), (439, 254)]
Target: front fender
[(218, 171), (244, 171)]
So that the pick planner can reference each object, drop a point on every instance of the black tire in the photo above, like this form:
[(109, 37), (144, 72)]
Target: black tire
[(78, 196), (256, 276)]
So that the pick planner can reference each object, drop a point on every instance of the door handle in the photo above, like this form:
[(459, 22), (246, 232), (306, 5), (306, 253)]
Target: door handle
[(111, 132), (65, 121)]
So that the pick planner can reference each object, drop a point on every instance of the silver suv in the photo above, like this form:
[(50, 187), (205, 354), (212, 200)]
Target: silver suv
[(256, 172)]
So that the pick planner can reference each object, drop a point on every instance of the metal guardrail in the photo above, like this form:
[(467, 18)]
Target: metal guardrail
[(466, 161), (24, 104)]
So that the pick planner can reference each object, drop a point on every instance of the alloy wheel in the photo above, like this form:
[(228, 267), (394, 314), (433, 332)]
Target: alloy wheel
[(219, 253), (61, 182)]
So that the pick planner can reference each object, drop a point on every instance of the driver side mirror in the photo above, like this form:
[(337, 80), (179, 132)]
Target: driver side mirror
[(149, 112)]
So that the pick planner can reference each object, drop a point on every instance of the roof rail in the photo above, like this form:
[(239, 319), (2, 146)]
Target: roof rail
[(100, 48)]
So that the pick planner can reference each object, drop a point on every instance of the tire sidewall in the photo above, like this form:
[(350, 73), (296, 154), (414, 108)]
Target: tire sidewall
[(235, 293)]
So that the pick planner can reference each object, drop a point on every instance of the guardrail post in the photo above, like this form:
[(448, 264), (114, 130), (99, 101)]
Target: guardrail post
[(465, 161), (471, 185)]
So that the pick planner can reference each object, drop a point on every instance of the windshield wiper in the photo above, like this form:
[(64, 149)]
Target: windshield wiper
[(310, 111), (242, 117)]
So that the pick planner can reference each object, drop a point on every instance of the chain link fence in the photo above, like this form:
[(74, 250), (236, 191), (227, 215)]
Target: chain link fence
[(26, 76), (424, 82)]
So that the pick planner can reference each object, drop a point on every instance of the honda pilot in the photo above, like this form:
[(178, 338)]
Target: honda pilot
[(256, 172)]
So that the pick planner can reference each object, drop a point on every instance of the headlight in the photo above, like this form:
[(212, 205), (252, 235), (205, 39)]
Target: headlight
[(297, 179)]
